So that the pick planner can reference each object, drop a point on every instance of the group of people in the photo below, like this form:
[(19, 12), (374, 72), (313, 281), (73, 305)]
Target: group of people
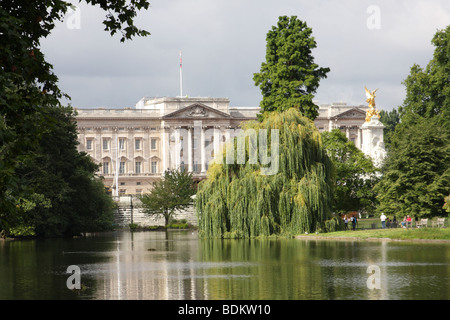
[(353, 221), (385, 221)]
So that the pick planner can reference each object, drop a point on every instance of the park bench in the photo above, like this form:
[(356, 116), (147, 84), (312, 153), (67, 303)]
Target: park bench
[(440, 222), (423, 223)]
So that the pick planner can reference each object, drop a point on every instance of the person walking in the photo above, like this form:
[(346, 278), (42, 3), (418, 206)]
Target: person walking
[(354, 222), (383, 220), (346, 222)]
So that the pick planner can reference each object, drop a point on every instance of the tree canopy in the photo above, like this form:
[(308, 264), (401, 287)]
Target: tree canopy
[(428, 89), (355, 174), (31, 115), (416, 175), (240, 200), (390, 119), (172, 193), (289, 77)]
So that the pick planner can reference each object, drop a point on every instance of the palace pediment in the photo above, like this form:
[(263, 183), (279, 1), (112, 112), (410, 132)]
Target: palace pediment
[(197, 111), (352, 114)]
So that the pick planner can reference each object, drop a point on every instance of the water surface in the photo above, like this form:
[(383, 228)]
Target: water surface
[(177, 265)]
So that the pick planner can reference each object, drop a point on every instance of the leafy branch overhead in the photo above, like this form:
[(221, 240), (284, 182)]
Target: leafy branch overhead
[(121, 13), (37, 134)]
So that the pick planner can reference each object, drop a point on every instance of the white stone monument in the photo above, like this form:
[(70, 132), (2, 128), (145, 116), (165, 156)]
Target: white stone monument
[(372, 141), (372, 132)]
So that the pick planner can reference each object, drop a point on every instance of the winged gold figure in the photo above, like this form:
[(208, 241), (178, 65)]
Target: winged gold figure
[(371, 100), (370, 97)]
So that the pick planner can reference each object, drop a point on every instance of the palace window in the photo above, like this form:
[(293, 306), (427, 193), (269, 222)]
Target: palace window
[(105, 144), (154, 166), (89, 144), (138, 167), (195, 167), (153, 144), (137, 144), (122, 167), (105, 167), (122, 144)]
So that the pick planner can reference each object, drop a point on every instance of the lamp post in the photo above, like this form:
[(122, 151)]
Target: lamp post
[(131, 207)]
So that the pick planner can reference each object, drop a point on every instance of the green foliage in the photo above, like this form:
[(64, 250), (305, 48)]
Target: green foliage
[(417, 171), (446, 205), (133, 226), (61, 196), (355, 174), (120, 13), (416, 175), (22, 231), (428, 90), (237, 201), (173, 192), (178, 226), (390, 119), (73, 198), (289, 77)]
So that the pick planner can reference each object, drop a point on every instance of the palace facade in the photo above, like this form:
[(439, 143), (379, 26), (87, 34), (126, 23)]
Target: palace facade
[(166, 133)]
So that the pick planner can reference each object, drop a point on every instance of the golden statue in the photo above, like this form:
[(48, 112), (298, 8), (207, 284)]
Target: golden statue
[(371, 100)]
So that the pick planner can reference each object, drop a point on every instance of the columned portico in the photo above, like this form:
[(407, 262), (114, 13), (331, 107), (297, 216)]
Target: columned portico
[(135, 146)]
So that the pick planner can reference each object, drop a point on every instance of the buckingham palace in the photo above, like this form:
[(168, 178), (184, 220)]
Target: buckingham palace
[(140, 143)]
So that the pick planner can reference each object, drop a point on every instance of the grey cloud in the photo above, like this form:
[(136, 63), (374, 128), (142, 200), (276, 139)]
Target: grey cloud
[(223, 44)]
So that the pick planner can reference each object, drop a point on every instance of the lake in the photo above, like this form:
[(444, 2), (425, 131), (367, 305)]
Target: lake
[(177, 265)]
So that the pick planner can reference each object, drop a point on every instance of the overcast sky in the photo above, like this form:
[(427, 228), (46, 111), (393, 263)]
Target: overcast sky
[(364, 43)]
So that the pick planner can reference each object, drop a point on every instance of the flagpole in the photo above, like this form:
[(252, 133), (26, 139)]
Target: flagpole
[(181, 76)]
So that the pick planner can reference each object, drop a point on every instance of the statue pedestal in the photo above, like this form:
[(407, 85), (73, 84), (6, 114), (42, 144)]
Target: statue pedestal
[(372, 141)]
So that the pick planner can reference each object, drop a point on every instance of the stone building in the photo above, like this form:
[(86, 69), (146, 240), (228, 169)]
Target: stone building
[(166, 133), (348, 119), (158, 134)]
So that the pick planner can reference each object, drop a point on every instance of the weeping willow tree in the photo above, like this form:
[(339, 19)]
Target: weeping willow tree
[(244, 199)]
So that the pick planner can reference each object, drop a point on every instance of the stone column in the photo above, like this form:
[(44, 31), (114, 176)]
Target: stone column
[(177, 148), (189, 148), (217, 158), (197, 151), (98, 144), (359, 138), (130, 145), (202, 150), (165, 144), (81, 139)]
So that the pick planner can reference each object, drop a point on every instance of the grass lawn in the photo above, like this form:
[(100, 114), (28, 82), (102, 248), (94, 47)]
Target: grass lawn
[(394, 234)]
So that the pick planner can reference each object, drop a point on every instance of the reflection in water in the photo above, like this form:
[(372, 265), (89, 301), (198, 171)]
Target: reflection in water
[(177, 265)]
